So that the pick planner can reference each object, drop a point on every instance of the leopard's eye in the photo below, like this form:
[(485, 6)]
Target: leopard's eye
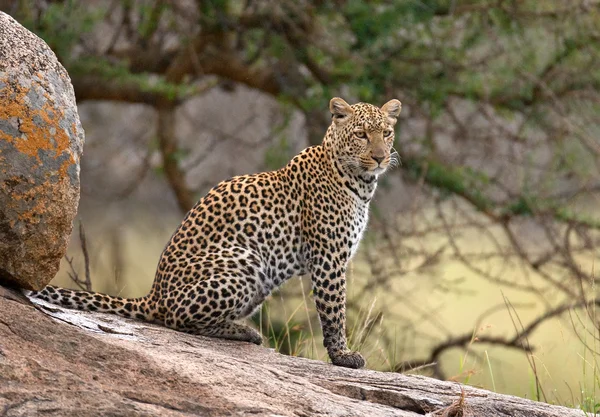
[(361, 134), (388, 133)]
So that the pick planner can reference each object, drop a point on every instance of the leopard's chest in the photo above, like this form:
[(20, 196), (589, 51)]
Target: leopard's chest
[(358, 227)]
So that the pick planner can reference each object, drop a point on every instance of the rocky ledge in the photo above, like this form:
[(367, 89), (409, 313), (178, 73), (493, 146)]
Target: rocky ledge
[(58, 362)]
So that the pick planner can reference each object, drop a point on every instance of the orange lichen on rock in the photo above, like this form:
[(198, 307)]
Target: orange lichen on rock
[(39, 130), (35, 207), (35, 125)]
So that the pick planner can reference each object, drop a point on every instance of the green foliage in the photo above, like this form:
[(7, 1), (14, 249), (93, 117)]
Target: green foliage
[(62, 23), (368, 21), (569, 216), (278, 154), (120, 74), (149, 18), (572, 157), (471, 185), (213, 10), (521, 207), (451, 180)]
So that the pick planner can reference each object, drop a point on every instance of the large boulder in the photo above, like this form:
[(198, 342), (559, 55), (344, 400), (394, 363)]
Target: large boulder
[(41, 140)]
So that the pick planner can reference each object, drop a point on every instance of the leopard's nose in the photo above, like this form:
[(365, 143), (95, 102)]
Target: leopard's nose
[(378, 158)]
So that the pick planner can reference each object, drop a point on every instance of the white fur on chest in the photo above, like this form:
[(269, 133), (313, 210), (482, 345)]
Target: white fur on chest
[(359, 225)]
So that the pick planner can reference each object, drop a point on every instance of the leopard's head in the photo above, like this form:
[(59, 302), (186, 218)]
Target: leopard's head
[(362, 135)]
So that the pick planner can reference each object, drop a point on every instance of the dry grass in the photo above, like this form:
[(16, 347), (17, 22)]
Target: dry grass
[(458, 408)]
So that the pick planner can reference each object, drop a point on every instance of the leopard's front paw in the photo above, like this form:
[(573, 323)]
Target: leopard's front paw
[(348, 359)]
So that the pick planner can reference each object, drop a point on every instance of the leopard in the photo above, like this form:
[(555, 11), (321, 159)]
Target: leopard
[(251, 233)]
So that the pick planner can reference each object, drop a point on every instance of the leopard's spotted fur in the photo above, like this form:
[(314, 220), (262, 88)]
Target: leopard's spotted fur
[(252, 233)]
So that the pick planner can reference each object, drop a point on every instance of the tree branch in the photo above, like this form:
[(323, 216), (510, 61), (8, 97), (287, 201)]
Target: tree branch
[(170, 157), (519, 341)]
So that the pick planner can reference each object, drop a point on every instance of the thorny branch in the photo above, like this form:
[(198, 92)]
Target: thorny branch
[(86, 282), (468, 340)]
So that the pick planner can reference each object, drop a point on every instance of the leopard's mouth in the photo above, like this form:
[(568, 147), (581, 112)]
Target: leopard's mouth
[(374, 170), (362, 167), (378, 170)]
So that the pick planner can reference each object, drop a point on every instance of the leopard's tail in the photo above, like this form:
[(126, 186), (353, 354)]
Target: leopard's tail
[(139, 308)]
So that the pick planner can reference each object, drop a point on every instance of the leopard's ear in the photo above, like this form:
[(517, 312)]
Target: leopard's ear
[(392, 109), (340, 110)]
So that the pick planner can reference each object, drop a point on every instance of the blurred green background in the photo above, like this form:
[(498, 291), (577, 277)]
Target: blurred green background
[(479, 264)]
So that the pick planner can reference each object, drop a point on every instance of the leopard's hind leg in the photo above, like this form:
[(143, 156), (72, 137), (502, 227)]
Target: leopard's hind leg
[(212, 307), (227, 330)]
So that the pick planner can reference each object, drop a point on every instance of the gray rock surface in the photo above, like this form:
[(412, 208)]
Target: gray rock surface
[(41, 141), (58, 362)]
